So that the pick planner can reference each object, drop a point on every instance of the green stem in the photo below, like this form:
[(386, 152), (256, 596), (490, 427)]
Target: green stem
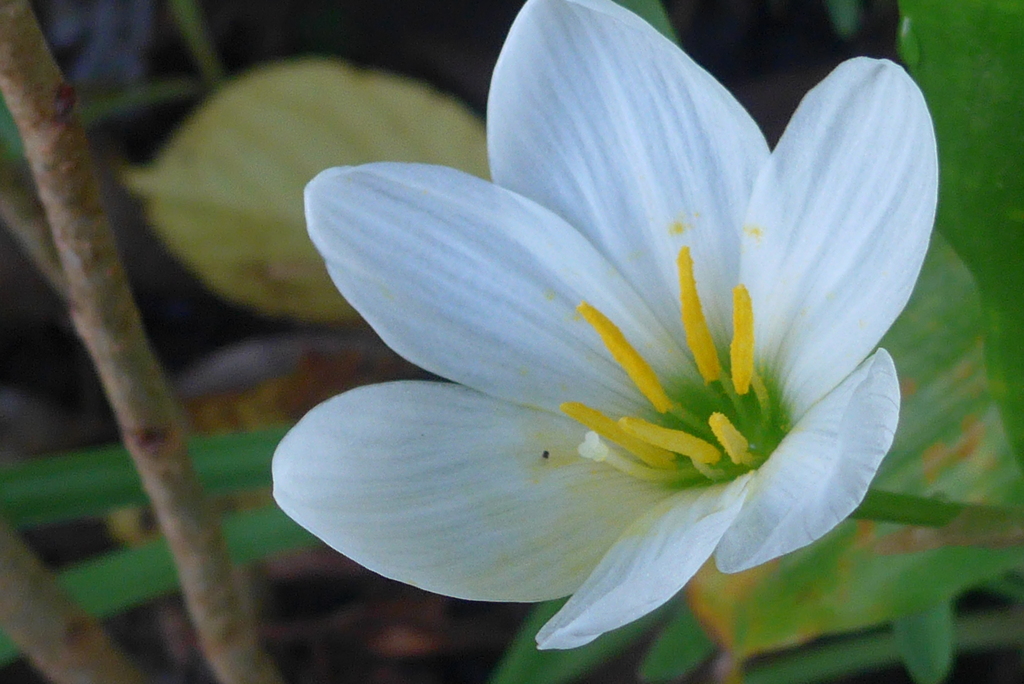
[(146, 95), (190, 21), (907, 509)]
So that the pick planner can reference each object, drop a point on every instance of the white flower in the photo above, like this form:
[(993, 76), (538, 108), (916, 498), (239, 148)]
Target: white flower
[(661, 332)]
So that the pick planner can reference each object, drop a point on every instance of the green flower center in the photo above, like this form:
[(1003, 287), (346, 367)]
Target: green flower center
[(701, 434)]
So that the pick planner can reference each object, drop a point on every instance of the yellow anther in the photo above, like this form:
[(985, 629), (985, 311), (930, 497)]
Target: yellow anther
[(735, 443), (697, 334), (610, 430), (741, 352), (622, 351), (680, 442)]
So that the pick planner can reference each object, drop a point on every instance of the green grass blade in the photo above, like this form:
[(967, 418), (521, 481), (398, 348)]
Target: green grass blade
[(987, 631), (93, 481)]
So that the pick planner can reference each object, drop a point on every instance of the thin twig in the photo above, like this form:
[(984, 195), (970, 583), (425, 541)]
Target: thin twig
[(24, 218), (107, 320), (189, 17), (62, 641)]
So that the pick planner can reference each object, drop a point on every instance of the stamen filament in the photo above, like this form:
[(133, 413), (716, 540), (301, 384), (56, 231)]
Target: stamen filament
[(741, 351), (639, 371), (694, 448), (762, 395), (610, 430), (698, 336), (594, 450), (736, 445), (729, 390)]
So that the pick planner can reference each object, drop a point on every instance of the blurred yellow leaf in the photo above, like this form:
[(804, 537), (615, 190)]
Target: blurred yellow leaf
[(225, 194)]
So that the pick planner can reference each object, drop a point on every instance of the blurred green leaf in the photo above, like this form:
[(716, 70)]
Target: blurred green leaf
[(93, 481), (225, 194), (523, 663), (925, 642), (680, 647), (122, 579), (968, 60), (845, 16), (653, 12), (949, 444)]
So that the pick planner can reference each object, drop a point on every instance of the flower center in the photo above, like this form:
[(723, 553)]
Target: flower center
[(684, 444)]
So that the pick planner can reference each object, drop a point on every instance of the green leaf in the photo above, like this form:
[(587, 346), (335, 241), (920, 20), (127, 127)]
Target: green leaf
[(523, 663), (120, 580), (225, 194), (949, 445), (925, 642), (967, 58), (681, 646), (653, 12), (93, 481)]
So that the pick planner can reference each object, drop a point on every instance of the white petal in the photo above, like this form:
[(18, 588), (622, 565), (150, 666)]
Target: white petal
[(447, 489), (597, 116), (479, 285), (838, 225), (648, 565), (820, 472)]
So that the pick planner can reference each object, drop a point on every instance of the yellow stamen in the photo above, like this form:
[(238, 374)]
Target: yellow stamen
[(697, 334), (610, 430), (684, 443), (741, 352), (735, 443), (629, 358)]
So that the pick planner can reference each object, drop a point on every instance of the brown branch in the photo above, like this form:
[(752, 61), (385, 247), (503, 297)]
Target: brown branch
[(107, 320), (62, 641)]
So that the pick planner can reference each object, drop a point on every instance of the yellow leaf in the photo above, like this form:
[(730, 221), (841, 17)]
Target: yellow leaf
[(225, 194)]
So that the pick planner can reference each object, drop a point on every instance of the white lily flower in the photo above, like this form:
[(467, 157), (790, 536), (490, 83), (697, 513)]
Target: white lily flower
[(661, 332)]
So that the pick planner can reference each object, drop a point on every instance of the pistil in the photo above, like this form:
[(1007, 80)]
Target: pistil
[(594, 449), (609, 429)]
